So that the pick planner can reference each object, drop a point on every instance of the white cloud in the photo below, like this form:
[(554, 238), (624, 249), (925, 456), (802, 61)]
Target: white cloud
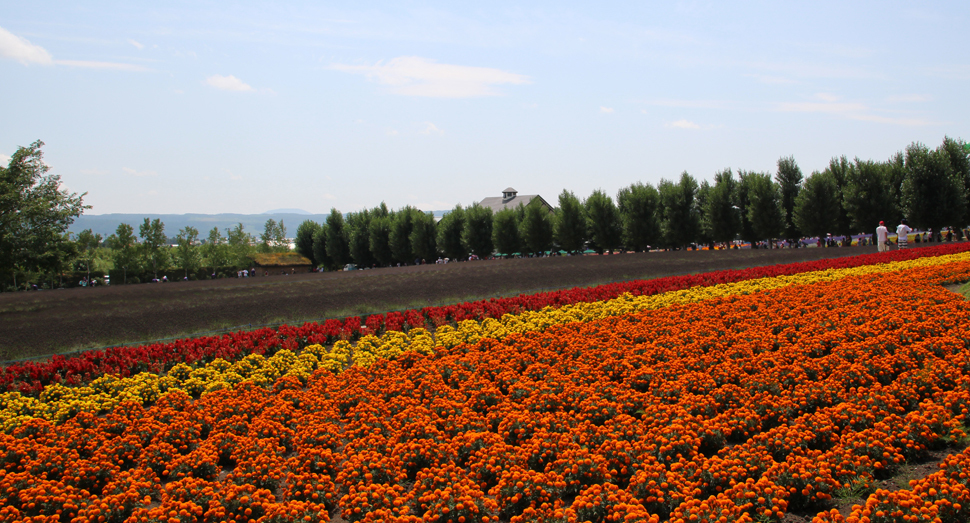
[(94, 172), (851, 111), (416, 76), (952, 72), (908, 122), (904, 98), (811, 70), (228, 83), (693, 104), (827, 97), (770, 79), (606, 109), (844, 109), (683, 124), (233, 177), (430, 128), (4, 159), (391, 132), (21, 50), (139, 45), (88, 64), (139, 174)]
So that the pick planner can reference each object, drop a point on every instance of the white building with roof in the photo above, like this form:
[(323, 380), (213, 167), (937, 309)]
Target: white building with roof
[(511, 199)]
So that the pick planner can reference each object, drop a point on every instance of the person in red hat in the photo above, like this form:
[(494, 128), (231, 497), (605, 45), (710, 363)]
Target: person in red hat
[(882, 237)]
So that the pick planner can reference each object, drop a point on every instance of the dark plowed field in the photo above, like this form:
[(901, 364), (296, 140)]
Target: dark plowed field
[(46, 322)]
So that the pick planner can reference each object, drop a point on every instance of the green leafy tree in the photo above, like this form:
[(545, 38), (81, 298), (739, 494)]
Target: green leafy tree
[(765, 211), (602, 222), (125, 247), (505, 231), (320, 248), (35, 212), (477, 235), (280, 242), (187, 254), (637, 205), (273, 237), (959, 157), (839, 169), (703, 195), (933, 192), (722, 216), (817, 206), (90, 253), (266, 237), (895, 170), (87, 245), (215, 251), (337, 239), (867, 196), (380, 239), (153, 242), (569, 229), (424, 242), (535, 229), (789, 178), (400, 239), (358, 228), (450, 229), (304, 240), (680, 219), (54, 256), (744, 204), (240, 245)]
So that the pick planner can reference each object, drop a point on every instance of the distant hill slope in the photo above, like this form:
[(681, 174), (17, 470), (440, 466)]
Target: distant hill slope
[(288, 211), (106, 224)]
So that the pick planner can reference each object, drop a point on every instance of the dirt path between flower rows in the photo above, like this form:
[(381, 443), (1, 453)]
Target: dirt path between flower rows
[(34, 324), (900, 481)]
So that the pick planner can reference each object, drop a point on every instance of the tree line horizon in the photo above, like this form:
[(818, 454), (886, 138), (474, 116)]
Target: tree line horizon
[(929, 187)]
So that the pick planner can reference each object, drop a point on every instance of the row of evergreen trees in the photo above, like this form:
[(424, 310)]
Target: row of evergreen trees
[(928, 186)]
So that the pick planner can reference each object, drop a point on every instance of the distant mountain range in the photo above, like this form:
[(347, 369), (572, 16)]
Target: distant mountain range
[(106, 224), (289, 211)]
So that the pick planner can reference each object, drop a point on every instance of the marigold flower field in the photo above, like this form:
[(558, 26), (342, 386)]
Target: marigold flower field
[(731, 396)]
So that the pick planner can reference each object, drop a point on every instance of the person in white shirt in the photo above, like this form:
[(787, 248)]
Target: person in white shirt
[(882, 236), (902, 234)]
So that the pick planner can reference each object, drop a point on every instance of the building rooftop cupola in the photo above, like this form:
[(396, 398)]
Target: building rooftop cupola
[(509, 194)]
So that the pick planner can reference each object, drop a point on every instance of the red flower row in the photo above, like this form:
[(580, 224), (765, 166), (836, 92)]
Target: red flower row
[(739, 408), (31, 377)]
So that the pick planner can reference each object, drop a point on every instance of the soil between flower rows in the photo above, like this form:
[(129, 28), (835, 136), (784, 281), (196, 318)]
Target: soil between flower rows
[(47, 322)]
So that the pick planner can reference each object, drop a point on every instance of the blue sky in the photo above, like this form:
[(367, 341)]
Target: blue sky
[(194, 107)]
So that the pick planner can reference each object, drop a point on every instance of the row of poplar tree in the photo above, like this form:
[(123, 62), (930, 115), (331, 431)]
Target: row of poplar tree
[(927, 186)]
